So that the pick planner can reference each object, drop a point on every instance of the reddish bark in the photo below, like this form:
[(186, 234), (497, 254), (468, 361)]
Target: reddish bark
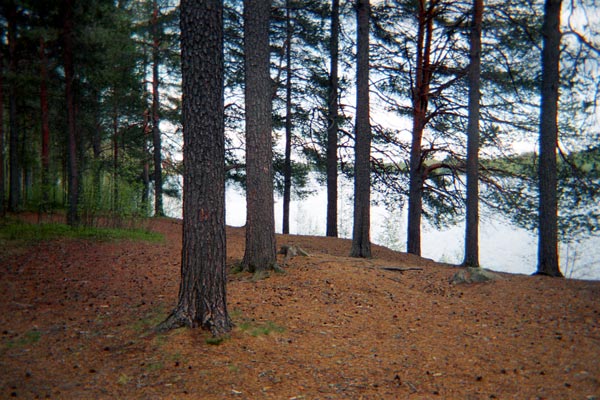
[(420, 101)]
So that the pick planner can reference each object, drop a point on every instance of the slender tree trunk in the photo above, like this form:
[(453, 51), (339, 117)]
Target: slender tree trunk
[(202, 291), (156, 137), (26, 166), (361, 242), (115, 140), (260, 221), (420, 101), (472, 224), (146, 167), (96, 150), (548, 263), (287, 167), (45, 124), (2, 177), (332, 127), (14, 194), (73, 190)]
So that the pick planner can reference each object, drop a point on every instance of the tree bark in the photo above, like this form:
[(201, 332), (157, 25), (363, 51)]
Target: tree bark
[(2, 177), (156, 137), (361, 242), (287, 167), (115, 140), (260, 253), (472, 223), (548, 263), (332, 128), (73, 176), (45, 156), (14, 193), (146, 167), (202, 291), (96, 151), (420, 94)]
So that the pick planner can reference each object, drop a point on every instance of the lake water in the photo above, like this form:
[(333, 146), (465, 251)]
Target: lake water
[(502, 246)]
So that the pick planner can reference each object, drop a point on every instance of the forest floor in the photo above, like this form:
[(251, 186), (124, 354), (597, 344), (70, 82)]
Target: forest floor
[(76, 320)]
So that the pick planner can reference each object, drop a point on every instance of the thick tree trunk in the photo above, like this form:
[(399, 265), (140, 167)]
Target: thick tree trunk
[(73, 176), (287, 167), (260, 221), (202, 291), (14, 193), (45, 124), (332, 127), (156, 137), (548, 263), (361, 242), (420, 101), (472, 223)]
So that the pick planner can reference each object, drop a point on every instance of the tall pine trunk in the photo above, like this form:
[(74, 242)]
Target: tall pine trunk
[(332, 120), (472, 223), (420, 100), (45, 156), (156, 137), (73, 175), (115, 140), (361, 242), (548, 263), (260, 220), (2, 177), (287, 167), (146, 166), (14, 193), (202, 291)]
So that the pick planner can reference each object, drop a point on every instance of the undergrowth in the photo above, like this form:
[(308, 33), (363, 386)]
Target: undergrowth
[(17, 230)]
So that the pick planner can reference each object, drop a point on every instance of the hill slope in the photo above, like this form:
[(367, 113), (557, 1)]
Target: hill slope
[(76, 320)]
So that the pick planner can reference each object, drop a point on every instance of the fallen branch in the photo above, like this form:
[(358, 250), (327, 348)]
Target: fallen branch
[(401, 269)]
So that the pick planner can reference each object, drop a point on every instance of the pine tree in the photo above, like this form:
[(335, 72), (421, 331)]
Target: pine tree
[(472, 220), (548, 204), (73, 174), (332, 122), (287, 168), (202, 292), (14, 193), (156, 135), (361, 242), (2, 184), (260, 220)]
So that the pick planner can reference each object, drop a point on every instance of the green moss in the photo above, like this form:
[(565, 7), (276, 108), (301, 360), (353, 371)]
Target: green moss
[(124, 379), (27, 339), (260, 328)]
